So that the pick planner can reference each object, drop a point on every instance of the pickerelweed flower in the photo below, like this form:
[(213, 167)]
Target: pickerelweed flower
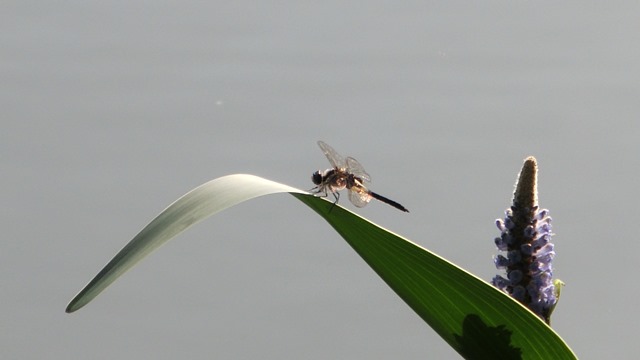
[(525, 237)]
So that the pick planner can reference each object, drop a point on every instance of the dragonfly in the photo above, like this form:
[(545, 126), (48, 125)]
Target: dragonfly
[(346, 173)]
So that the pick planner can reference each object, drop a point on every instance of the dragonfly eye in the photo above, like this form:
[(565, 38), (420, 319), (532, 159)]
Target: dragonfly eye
[(316, 177)]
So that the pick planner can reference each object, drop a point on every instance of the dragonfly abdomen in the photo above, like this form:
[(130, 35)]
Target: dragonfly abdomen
[(387, 201)]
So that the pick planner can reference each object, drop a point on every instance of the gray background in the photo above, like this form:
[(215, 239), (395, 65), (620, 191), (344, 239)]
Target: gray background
[(110, 111)]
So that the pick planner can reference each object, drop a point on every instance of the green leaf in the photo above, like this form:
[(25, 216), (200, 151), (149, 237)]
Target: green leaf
[(476, 319)]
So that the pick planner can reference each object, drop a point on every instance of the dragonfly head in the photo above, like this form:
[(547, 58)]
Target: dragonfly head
[(317, 177)]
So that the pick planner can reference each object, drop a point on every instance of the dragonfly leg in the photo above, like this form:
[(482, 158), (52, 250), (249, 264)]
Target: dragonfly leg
[(336, 195), (321, 192)]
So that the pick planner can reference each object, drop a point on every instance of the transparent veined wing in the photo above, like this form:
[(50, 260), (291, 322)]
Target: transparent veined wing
[(359, 196), (354, 167), (334, 158)]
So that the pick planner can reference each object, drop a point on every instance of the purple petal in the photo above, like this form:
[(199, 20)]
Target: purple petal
[(518, 293), (501, 244), (526, 249), (501, 262), (500, 282), (515, 276), (508, 223), (514, 256)]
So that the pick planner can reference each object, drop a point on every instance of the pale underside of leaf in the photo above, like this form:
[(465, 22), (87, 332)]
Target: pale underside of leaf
[(198, 204)]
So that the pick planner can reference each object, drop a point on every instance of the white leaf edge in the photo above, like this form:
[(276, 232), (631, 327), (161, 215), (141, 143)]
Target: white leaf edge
[(193, 207)]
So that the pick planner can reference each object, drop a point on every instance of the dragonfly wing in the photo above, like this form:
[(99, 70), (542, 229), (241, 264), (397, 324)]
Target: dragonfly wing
[(354, 167), (334, 158), (359, 197)]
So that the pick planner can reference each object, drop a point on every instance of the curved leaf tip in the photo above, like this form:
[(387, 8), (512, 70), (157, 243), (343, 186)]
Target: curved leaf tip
[(193, 207)]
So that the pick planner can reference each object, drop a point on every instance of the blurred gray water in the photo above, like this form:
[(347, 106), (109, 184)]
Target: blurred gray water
[(110, 111)]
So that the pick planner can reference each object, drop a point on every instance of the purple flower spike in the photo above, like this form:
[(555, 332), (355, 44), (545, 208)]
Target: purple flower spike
[(525, 235)]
